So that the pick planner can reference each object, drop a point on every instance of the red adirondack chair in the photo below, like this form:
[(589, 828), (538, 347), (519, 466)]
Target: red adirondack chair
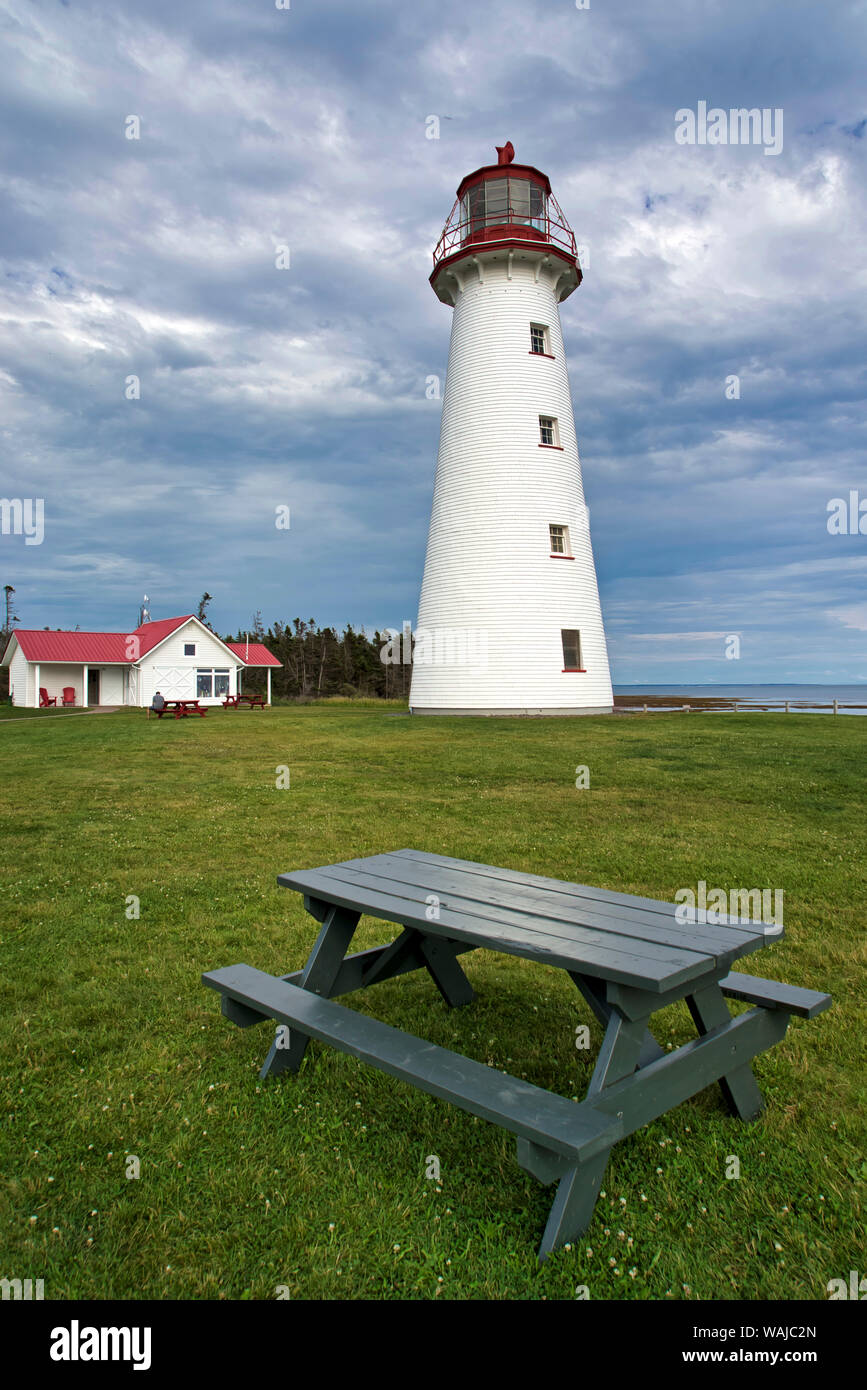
[(45, 699), (69, 694)]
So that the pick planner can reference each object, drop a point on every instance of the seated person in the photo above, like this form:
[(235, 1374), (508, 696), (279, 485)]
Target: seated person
[(158, 703)]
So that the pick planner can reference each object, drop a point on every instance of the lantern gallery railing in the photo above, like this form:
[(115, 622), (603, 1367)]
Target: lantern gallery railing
[(504, 210)]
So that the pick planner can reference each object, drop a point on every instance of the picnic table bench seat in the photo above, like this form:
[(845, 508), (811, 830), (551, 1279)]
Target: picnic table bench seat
[(526, 1110), (772, 994), (628, 956)]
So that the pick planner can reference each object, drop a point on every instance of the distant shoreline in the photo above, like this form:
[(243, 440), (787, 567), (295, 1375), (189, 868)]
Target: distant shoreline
[(656, 701), (678, 700)]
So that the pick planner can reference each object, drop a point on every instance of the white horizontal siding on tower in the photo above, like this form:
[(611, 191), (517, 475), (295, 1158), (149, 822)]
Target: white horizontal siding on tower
[(488, 566)]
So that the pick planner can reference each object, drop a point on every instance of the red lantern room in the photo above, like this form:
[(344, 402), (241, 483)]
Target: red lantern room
[(505, 206)]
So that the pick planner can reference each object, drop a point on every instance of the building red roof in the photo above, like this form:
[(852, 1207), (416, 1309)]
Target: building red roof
[(254, 655), (103, 648), (107, 648), (149, 634), (73, 646)]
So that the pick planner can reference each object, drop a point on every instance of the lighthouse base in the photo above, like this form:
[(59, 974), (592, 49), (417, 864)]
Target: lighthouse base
[(547, 712)]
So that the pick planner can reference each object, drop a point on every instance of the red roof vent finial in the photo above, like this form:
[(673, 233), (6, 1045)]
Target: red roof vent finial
[(505, 153)]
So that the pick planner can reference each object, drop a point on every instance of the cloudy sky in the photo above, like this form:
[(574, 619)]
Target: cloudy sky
[(263, 386)]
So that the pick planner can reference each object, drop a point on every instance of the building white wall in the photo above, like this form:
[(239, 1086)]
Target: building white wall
[(488, 564), (168, 670), (111, 684), (18, 678), (53, 676)]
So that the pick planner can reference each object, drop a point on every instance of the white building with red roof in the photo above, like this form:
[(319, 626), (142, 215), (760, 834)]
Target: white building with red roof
[(179, 657)]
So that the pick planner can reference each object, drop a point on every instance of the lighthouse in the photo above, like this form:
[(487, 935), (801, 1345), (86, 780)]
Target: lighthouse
[(509, 619)]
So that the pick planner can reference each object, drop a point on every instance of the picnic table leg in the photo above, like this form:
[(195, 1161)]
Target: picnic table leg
[(441, 961), (710, 1010), (578, 1188), (319, 974), (595, 997)]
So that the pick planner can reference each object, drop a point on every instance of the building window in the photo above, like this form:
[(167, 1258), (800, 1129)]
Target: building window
[(539, 340), (548, 432), (560, 540), (210, 683), (571, 649), (189, 649)]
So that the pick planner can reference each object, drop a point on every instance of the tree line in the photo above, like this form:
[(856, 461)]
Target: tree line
[(320, 661)]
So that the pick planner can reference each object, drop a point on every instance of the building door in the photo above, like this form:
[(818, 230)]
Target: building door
[(93, 687)]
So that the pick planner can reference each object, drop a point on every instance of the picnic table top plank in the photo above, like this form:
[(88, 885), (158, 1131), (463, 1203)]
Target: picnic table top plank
[(723, 942), (627, 901), (524, 925), (659, 970)]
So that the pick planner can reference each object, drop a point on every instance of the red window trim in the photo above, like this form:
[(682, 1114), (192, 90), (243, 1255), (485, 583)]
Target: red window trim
[(552, 446), (574, 670), (556, 555), (531, 353)]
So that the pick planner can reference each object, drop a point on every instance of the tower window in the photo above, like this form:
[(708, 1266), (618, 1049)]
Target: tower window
[(560, 541), (548, 432), (571, 649), (540, 343)]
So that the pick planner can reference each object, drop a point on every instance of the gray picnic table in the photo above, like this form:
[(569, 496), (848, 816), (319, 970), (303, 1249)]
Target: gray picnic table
[(628, 956)]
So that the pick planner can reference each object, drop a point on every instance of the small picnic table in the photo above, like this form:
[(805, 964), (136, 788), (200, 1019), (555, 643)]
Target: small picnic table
[(254, 701), (181, 708), (628, 956)]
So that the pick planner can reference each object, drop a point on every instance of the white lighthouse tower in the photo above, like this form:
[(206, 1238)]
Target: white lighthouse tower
[(509, 619)]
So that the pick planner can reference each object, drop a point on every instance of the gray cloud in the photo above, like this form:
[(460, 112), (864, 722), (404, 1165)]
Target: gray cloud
[(260, 386)]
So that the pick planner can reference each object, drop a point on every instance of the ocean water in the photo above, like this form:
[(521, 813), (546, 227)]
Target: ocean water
[(808, 697)]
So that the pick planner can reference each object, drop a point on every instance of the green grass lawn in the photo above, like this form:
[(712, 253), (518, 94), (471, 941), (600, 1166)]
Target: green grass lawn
[(111, 1047), (8, 711)]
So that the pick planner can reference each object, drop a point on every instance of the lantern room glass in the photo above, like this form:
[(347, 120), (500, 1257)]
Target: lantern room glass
[(503, 202)]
